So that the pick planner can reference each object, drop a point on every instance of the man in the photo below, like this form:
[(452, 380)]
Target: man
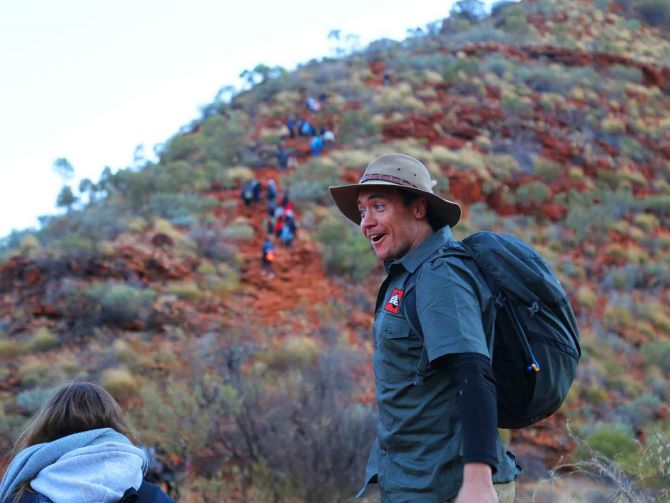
[(437, 439)]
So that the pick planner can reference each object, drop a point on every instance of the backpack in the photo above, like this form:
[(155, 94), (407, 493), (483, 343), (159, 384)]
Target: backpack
[(536, 338), (147, 493)]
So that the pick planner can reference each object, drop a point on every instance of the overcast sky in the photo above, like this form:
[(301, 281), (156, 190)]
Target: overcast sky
[(91, 80)]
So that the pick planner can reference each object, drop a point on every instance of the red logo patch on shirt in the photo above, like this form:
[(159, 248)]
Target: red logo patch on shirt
[(393, 303)]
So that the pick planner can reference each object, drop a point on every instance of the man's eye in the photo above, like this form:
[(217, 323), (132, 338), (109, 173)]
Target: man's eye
[(379, 207), (361, 213)]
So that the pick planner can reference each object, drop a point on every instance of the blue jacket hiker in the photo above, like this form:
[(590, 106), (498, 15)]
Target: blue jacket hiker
[(77, 450)]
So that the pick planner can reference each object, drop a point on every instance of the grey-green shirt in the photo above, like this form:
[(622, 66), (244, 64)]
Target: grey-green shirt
[(417, 454)]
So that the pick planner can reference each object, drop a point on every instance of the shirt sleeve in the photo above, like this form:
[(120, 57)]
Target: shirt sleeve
[(449, 303)]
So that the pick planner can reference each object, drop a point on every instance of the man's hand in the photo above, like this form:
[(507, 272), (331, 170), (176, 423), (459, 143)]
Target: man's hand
[(477, 485)]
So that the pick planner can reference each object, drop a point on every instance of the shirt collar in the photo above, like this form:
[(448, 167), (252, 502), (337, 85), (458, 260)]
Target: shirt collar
[(414, 258)]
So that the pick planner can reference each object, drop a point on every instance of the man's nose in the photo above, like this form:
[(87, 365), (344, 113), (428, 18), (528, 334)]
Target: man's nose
[(366, 221)]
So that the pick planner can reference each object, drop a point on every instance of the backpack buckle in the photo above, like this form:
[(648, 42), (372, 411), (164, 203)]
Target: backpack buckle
[(533, 308)]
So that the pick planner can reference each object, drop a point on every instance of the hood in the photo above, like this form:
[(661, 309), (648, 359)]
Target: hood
[(95, 474), (90, 462)]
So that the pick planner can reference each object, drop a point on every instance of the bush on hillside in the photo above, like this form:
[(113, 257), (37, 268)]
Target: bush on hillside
[(120, 304), (43, 339), (532, 193), (180, 208), (344, 250), (120, 383), (657, 352), (85, 306), (357, 124), (210, 240), (224, 137), (34, 398), (310, 180)]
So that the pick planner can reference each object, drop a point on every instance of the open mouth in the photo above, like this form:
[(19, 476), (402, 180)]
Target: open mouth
[(376, 238)]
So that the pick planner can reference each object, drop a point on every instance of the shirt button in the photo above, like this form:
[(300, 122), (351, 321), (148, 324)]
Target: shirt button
[(387, 330)]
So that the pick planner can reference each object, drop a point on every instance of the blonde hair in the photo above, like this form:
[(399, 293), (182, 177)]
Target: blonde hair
[(73, 408)]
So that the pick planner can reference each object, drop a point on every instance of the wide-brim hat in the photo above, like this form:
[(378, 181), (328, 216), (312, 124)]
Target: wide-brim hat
[(405, 173)]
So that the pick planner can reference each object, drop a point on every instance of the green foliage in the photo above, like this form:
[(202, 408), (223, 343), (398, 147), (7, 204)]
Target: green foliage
[(66, 198), (32, 399), (344, 250), (357, 124), (114, 304), (532, 193), (657, 352), (614, 441), (238, 231), (180, 208), (10, 427), (120, 383), (547, 169), (120, 304), (310, 180), (224, 138), (75, 245), (464, 66), (626, 73), (43, 339), (180, 417), (64, 168)]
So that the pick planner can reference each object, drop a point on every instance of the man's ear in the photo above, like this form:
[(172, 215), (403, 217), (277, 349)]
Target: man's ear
[(420, 209)]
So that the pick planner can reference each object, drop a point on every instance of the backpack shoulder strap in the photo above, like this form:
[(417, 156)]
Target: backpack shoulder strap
[(454, 249), (409, 299)]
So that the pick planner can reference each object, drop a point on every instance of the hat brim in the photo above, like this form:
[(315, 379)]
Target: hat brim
[(442, 211)]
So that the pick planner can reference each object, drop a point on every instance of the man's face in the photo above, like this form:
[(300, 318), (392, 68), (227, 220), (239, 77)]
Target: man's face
[(392, 228)]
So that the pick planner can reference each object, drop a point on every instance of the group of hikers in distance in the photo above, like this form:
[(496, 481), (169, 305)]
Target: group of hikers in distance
[(456, 355), (279, 222), (310, 126)]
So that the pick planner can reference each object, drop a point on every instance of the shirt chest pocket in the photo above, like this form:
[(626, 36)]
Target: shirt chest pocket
[(398, 350)]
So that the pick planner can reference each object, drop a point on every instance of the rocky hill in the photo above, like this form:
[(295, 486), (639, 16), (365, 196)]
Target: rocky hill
[(548, 120)]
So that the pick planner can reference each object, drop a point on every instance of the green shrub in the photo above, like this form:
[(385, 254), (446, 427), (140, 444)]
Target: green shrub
[(612, 440), (310, 180), (627, 73), (32, 399), (532, 193), (187, 290), (344, 250), (75, 245), (356, 124), (43, 339), (180, 206), (37, 371), (10, 427), (120, 383), (657, 352), (120, 304), (9, 348), (238, 231), (547, 169)]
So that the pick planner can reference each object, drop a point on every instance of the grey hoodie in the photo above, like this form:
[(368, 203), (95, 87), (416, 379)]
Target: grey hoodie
[(95, 466)]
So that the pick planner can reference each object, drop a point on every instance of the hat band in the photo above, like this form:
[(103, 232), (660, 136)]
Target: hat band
[(387, 178)]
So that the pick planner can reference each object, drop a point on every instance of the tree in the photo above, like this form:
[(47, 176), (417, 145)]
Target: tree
[(63, 168), (87, 186), (262, 73), (472, 10), (66, 198)]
